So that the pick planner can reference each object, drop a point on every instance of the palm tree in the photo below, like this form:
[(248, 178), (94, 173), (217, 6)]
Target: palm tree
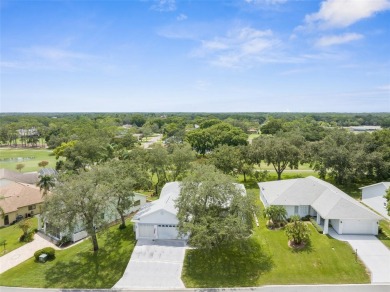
[(45, 184), (276, 215)]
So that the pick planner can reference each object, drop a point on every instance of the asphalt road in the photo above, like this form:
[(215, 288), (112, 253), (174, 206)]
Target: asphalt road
[(295, 288)]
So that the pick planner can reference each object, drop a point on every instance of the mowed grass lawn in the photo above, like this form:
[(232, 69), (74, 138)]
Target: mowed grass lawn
[(12, 234), (266, 259), (78, 266), (37, 156)]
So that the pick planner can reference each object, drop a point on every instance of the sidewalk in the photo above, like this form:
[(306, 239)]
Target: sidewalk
[(23, 253)]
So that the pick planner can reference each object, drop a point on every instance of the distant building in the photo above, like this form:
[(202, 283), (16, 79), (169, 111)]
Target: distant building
[(358, 129)]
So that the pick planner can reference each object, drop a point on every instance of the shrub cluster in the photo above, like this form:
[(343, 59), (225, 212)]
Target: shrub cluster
[(316, 226), (51, 253)]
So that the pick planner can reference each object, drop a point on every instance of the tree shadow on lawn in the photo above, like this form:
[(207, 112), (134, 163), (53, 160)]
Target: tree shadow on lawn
[(234, 265), (101, 269)]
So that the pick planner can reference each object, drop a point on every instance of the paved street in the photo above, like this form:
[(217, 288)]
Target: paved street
[(295, 288), (154, 264)]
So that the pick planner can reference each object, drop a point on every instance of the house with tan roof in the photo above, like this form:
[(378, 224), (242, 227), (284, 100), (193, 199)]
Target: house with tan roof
[(331, 206), (19, 200)]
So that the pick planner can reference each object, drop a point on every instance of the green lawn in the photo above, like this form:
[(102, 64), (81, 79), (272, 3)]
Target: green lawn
[(385, 235), (78, 266), (36, 155), (305, 167), (266, 259), (11, 234)]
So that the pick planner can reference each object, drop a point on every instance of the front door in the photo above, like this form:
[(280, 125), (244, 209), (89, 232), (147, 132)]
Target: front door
[(6, 220)]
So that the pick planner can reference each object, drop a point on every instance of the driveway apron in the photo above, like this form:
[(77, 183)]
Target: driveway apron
[(373, 253), (154, 264)]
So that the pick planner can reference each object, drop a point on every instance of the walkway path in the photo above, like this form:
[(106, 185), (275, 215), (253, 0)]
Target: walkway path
[(372, 252), (23, 253), (152, 141), (154, 265)]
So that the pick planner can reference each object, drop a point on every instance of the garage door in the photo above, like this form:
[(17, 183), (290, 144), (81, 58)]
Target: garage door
[(167, 232), (357, 226), (146, 231)]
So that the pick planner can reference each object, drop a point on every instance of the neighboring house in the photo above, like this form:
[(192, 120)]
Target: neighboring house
[(7, 175), (314, 197), (373, 196), (79, 231), (18, 200), (157, 220)]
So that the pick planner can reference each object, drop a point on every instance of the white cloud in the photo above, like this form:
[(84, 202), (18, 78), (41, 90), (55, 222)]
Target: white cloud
[(55, 54), (385, 87), (332, 40), (239, 47), (46, 57), (181, 17), (164, 5), (343, 13)]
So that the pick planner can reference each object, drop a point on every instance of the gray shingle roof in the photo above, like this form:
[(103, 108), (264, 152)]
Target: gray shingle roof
[(385, 183), (27, 177), (169, 193), (325, 198)]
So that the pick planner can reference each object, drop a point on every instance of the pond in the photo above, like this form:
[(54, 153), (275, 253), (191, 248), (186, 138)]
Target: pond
[(16, 159)]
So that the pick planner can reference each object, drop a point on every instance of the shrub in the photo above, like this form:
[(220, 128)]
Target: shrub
[(306, 218), (65, 239), (51, 253), (316, 226), (122, 226), (297, 231), (27, 237)]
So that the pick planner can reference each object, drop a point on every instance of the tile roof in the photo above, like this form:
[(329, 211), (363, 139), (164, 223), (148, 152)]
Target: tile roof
[(16, 195)]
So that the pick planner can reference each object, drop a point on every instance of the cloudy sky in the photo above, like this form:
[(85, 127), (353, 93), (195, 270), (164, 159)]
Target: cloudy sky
[(191, 56)]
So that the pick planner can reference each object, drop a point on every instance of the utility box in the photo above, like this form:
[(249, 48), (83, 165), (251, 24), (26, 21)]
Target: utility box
[(43, 258)]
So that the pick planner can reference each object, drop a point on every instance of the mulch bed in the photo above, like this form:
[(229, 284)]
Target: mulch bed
[(296, 246)]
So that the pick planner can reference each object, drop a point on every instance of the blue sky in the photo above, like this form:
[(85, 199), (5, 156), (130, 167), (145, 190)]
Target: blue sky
[(195, 56)]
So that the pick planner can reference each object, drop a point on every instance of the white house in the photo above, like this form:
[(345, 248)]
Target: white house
[(314, 197), (79, 231), (157, 220), (373, 196)]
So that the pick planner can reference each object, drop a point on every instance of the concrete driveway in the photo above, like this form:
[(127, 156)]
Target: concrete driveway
[(372, 252), (154, 264)]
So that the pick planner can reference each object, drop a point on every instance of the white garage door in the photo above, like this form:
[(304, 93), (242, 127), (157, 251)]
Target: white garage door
[(357, 226), (146, 231), (167, 232)]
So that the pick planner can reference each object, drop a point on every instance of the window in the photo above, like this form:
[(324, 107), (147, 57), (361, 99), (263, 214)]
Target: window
[(296, 210), (137, 203), (32, 207)]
